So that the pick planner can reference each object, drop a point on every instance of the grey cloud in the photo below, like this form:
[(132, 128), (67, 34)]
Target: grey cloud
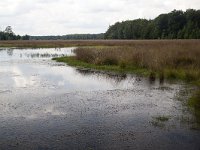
[(47, 17)]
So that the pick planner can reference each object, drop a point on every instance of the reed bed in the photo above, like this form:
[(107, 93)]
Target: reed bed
[(174, 59)]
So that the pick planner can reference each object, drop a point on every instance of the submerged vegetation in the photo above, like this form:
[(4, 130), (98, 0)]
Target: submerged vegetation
[(160, 121), (194, 102)]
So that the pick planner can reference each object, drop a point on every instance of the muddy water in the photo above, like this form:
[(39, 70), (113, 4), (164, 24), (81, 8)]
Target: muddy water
[(49, 105)]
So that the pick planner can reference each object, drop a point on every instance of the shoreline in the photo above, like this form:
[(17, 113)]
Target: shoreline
[(78, 43)]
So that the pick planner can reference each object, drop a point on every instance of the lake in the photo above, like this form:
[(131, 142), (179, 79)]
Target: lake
[(49, 105)]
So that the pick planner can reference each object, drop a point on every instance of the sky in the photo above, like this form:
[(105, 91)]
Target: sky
[(60, 17)]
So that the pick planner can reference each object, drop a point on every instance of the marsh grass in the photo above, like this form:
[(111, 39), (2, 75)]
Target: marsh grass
[(96, 43), (171, 59), (72, 61), (175, 60)]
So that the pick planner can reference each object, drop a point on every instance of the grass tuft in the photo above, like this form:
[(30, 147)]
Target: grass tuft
[(162, 118), (194, 102)]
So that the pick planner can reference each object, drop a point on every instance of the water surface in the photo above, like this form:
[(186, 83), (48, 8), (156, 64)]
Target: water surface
[(49, 105)]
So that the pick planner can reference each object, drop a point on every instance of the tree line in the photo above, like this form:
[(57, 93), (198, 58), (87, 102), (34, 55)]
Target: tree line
[(174, 25), (8, 34), (70, 37)]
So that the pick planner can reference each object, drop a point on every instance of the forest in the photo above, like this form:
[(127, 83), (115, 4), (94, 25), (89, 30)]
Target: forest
[(177, 24), (70, 37), (8, 34), (174, 25)]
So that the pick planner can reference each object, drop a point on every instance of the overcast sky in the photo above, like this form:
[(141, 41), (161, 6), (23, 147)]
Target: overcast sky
[(59, 17)]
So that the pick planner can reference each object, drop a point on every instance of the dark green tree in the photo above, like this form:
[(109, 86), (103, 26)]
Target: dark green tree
[(174, 25)]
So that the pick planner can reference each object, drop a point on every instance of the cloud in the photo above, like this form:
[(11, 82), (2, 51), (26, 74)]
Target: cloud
[(50, 17)]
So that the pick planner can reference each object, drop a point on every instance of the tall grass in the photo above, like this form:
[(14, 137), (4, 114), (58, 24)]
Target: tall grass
[(173, 59)]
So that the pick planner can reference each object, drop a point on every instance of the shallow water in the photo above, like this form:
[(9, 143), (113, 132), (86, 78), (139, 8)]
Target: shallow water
[(49, 105)]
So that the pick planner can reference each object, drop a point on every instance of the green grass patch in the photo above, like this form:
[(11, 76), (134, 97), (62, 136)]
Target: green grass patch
[(170, 74), (160, 121), (194, 102), (158, 124), (162, 118), (72, 61)]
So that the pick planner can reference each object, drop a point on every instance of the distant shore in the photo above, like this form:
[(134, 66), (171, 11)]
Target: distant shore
[(77, 43)]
